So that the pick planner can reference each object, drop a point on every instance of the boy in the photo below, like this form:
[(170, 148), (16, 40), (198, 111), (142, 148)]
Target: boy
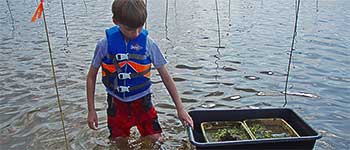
[(126, 55)]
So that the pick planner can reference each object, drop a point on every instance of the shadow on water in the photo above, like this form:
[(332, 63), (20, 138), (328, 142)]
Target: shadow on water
[(217, 56), (188, 67)]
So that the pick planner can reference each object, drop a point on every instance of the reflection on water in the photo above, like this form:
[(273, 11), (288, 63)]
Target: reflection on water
[(246, 69)]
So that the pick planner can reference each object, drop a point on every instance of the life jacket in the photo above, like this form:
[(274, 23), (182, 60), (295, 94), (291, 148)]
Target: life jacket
[(126, 68)]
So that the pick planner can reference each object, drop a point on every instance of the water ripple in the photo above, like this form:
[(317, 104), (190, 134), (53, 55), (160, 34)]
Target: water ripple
[(216, 93), (302, 94), (187, 67), (232, 98), (252, 77), (250, 90)]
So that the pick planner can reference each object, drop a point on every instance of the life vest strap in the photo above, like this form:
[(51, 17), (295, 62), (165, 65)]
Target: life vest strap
[(123, 89), (127, 56), (123, 76), (105, 79)]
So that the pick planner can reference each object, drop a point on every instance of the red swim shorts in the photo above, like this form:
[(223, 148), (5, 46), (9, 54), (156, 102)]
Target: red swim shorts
[(124, 115)]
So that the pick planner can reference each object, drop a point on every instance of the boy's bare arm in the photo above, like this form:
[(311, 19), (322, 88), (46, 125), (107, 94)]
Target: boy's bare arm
[(90, 93), (169, 83)]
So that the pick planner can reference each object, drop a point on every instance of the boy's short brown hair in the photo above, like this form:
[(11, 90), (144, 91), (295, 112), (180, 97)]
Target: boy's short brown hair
[(132, 13)]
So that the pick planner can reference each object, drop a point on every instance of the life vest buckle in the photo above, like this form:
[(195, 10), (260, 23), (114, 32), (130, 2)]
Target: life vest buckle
[(123, 89), (120, 57), (123, 76)]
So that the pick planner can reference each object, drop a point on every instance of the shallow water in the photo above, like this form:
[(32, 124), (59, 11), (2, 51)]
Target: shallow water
[(247, 71)]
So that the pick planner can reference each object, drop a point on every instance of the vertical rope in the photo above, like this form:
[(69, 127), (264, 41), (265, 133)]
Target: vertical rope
[(64, 21), (85, 6), (218, 21), (147, 17), (12, 20), (55, 80), (229, 12), (166, 19), (219, 46), (175, 9), (291, 51)]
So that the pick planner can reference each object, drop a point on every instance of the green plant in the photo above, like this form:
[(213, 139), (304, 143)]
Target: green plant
[(260, 131), (230, 134)]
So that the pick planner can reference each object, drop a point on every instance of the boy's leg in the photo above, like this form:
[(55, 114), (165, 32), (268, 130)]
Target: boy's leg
[(117, 118), (156, 137), (148, 124), (120, 143), (151, 129)]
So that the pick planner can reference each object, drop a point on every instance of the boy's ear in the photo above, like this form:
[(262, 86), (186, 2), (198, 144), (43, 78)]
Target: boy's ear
[(115, 21)]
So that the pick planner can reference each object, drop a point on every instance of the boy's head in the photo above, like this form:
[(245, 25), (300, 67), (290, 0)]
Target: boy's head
[(130, 15)]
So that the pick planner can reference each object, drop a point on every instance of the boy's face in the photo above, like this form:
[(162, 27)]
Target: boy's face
[(129, 33)]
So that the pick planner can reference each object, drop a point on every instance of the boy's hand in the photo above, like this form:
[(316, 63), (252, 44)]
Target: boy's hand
[(92, 120), (185, 118)]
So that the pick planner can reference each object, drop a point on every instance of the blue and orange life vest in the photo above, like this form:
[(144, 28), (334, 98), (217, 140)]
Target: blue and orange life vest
[(126, 68)]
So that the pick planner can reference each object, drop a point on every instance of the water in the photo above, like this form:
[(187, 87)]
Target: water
[(248, 71)]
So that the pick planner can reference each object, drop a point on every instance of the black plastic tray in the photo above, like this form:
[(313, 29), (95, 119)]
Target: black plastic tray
[(306, 140)]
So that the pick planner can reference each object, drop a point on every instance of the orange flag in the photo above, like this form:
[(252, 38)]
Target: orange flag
[(38, 12)]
